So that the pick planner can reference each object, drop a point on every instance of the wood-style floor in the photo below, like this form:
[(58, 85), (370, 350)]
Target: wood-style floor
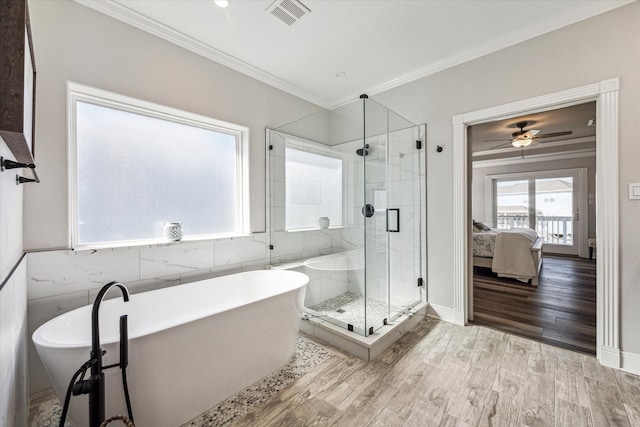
[(560, 311), (440, 374)]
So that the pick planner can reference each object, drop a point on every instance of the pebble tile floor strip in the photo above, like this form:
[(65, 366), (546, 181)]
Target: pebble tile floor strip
[(349, 308), (308, 354)]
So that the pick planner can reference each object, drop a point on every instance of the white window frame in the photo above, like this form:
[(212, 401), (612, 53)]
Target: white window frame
[(81, 93)]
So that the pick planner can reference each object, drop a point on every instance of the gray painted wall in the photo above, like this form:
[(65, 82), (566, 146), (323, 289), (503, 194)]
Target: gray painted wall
[(75, 43), (587, 52)]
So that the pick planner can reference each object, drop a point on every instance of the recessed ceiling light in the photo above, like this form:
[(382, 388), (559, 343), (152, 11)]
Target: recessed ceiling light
[(221, 3), (341, 74)]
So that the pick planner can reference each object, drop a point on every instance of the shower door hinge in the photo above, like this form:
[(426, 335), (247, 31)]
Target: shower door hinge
[(420, 282), (418, 144), (270, 147), (350, 327), (271, 247)]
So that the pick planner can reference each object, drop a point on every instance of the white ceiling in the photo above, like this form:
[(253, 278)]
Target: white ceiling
[(379, 44)]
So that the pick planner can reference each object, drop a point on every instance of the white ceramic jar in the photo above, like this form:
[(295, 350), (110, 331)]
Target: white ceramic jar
[(324, 222), (172, 230)]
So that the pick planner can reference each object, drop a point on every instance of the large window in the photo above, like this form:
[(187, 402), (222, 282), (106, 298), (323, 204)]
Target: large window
[(313, 188), (136, 166)]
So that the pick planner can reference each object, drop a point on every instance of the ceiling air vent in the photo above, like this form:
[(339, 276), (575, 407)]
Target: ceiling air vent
[(288, 11)]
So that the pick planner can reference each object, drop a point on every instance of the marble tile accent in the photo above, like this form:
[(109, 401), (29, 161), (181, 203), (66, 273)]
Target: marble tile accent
[(175, 259), (139, 286), (308, 354), (42, 310), (316, 240), (240, 249), (286, 244), (60, 272)]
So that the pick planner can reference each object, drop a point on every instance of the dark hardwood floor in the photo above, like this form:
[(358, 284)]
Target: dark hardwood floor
[(561, 311)]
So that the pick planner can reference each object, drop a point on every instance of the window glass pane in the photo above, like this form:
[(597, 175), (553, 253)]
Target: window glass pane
[(554, 210), (313, 189), (137, 172), (512, 200)]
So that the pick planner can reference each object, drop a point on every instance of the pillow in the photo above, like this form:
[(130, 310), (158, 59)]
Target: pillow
[(480, 226)]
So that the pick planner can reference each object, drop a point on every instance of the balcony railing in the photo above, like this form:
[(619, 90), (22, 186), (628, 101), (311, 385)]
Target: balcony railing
[(557, 230)]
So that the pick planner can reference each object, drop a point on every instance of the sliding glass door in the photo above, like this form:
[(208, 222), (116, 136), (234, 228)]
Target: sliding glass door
[(548, 202), (512, 204), (555, 200)]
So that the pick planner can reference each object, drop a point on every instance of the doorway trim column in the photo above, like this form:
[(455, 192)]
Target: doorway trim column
[(605, 93)]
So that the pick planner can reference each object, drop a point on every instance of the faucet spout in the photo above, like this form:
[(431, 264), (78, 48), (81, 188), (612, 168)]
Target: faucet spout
[(96, 381), (95, 329)]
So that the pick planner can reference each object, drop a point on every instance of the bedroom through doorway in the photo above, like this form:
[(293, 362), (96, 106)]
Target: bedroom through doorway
[(532, 203)]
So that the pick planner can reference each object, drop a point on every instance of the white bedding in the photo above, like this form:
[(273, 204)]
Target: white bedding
[(511, 251)]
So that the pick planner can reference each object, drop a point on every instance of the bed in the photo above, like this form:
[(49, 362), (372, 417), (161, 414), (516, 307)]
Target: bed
[(515, 253)]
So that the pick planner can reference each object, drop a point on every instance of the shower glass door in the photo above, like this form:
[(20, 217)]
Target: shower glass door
[(391, 234), (375, 213), (345, 208)]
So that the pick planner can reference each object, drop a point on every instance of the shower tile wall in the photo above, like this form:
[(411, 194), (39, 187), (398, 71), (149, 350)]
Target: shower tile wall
[(298, 244), (59, 281)]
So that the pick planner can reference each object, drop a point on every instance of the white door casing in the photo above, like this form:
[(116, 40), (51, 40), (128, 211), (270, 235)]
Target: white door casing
[(605, 93)]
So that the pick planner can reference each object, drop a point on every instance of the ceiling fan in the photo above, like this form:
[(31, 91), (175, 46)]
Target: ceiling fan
[(523, 138)]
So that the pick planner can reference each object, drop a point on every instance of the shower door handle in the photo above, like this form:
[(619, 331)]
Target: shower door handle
[(393, 220)]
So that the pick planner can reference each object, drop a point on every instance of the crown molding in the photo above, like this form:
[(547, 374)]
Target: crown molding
[(586, 11), (135, 19), (141, 22)]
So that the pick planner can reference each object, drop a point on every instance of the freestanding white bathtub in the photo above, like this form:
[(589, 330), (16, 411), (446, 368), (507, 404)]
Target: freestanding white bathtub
[(190, 346)]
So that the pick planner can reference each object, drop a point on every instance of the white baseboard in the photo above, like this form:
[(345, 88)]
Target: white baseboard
[(610, 357), (630, 362), (446, 313)]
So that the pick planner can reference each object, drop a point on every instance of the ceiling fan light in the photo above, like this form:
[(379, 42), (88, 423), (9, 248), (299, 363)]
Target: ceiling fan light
[(521, 142)]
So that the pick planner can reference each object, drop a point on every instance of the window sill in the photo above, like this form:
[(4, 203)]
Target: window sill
[(158, 242), (298, 230)]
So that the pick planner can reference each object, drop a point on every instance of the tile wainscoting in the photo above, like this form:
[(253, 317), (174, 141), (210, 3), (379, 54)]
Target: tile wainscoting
[(62, 280)]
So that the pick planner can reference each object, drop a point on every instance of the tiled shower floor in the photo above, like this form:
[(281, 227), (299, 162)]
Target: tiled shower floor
[(349, 308), (307, 355)]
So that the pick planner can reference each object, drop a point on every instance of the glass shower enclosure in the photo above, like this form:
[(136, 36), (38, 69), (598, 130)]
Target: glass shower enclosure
[(346, 194)]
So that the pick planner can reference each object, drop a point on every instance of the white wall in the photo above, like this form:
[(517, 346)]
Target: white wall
[(587, 52), (13, 300)]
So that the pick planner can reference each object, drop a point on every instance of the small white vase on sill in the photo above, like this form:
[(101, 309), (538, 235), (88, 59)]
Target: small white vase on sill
[(172, 230), (324, 222)]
